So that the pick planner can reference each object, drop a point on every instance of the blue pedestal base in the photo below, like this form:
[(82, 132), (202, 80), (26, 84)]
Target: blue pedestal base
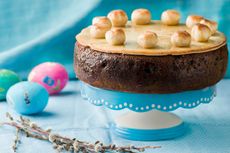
[(150, 135), (148, 126)]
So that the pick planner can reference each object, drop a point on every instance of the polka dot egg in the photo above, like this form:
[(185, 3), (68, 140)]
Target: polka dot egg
[(7, 79), (27, 97), (52, 76)]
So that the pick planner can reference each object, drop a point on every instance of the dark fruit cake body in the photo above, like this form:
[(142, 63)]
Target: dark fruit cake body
[(150, 74)]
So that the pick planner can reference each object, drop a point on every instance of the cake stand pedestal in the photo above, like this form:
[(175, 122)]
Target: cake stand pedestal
[(149, 118), (151, 125)]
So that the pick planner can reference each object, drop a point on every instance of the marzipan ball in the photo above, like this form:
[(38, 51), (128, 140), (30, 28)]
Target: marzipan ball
[(200, 32), (141, 16), (192, 20), (102, 21), (115, 36), (170, 17), (211, 24), (181, 39), (98, 31), (147, 40), (118, 18)]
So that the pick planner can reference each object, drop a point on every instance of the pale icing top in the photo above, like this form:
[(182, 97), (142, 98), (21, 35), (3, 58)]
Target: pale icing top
[(163, 46)]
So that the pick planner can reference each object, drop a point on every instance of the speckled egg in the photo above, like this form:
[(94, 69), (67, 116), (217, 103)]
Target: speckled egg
[(27, 97), (52, 76), (7, 79)]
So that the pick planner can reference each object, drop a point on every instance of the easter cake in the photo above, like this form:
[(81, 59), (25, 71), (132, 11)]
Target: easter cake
[(150, 56)]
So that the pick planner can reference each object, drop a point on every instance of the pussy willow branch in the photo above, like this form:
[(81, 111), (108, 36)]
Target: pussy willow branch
[(62, 143), (16, 140)]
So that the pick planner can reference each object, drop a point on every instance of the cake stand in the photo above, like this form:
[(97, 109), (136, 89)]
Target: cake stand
[(149, 117)]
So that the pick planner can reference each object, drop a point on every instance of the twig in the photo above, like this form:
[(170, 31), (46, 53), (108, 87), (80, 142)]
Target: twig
[(62, 143), (16, 140)]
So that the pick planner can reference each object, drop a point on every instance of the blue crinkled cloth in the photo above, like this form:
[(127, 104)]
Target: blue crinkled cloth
[(32, 32), (207, 126)]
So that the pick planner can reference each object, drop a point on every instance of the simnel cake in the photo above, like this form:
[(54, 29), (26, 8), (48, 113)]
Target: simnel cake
[(150, 56)]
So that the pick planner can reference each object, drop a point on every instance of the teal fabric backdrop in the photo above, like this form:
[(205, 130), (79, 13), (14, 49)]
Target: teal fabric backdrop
[(32, 32)]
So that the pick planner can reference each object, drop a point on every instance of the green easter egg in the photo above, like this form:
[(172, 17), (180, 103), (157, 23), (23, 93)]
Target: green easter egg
[(7, 79)]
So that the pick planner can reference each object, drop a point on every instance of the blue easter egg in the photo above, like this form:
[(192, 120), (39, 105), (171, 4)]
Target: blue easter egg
[(27, 97), (7, 79)]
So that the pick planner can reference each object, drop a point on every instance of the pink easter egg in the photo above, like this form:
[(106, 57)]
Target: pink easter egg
[(52, 76)]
